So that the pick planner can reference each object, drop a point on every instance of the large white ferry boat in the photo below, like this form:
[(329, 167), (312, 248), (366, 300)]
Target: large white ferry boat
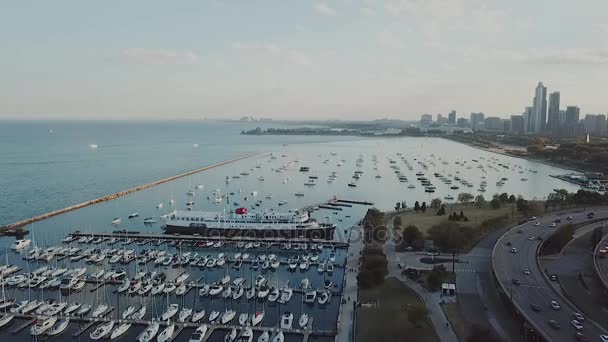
[(241, 222)]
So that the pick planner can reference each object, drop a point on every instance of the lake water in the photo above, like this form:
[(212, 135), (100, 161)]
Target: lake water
[(42, 171)]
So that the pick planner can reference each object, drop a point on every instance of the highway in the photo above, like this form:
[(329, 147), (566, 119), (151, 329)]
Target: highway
[(534, 289), (601, 263)]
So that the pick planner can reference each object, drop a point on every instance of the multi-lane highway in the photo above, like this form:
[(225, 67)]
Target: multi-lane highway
[(601, 262), (516, 266)]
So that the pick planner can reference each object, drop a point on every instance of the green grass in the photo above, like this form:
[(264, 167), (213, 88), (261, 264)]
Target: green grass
[(452, 312), (388, 320)]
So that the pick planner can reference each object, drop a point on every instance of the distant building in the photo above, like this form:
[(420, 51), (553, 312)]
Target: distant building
[(462, 122), (539, 110), (595, 124), (553, 122), (452, 117), (493, 123), (517, 124), (572, 115), (506, 125), (426, 119), (561, 119), (477, 121), (441, 120), (528, 117)]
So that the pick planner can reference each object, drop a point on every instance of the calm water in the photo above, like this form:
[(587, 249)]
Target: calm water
[(42, 171)]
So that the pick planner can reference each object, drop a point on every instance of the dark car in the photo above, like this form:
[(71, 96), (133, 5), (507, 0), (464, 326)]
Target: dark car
[(516, 281), (553, 323), (590, 215), (508, 243), (557, 220), (581, 337), (535, 307)]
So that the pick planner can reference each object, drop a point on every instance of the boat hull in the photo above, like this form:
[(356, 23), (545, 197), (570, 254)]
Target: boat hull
[(320, 232)]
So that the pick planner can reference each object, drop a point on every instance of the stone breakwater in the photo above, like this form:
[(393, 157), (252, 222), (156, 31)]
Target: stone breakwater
[(22, 223)]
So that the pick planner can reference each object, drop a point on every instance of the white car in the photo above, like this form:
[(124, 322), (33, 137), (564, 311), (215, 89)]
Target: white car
[(576, 324), (531, 238), (578, 316), (537, 223), (532, 218), (555, 306), (513, 250), (526, 271), (604, 338), (553, 225)]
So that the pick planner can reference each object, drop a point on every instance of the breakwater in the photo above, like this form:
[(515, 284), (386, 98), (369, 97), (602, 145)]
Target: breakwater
[(22, 223)]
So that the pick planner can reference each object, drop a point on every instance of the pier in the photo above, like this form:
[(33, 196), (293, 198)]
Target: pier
[(19, 224)]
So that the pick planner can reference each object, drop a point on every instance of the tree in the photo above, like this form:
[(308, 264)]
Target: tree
[(436, 203), (504, 197), (464, 197), (480, 201), (398, 206), (441, 210), (461, 216), (495, 203), (423, 207), (512, 199), (410, 234), (416, 314), (416, 206), (403, 206)]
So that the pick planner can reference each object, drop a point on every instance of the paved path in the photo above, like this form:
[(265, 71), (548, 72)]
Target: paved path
[(350, 289), (431, 300)]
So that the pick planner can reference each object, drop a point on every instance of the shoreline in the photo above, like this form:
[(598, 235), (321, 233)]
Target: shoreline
[(116, 195)]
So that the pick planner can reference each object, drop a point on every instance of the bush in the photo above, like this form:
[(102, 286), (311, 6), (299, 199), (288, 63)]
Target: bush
[(441, 211)]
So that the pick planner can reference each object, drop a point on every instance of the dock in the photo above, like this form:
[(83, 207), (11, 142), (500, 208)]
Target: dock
[(354, 202), (19, 224), (90, 321), (26, 324)]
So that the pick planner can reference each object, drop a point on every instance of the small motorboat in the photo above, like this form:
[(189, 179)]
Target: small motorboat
[(133, 215), (199, 333), (286, 320)]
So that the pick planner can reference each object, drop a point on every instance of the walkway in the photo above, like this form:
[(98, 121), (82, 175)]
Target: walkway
[(350, 289)]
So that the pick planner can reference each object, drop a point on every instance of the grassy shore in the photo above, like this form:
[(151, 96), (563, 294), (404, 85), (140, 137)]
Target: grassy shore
[(387, 319), (476, 216)]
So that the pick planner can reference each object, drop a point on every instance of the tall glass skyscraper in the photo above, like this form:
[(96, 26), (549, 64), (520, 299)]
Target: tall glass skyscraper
[(539, 109)]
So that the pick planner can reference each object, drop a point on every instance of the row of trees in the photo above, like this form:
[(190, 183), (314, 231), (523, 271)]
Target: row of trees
[(562, 198), (374, 265)]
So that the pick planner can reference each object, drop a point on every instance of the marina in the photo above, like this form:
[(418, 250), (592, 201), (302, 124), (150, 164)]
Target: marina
[(117, 262)]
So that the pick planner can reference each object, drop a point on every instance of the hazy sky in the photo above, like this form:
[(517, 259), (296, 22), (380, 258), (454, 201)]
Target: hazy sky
[(290, 59)]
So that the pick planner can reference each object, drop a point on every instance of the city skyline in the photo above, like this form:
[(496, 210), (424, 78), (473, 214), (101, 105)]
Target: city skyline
[(356, 60)]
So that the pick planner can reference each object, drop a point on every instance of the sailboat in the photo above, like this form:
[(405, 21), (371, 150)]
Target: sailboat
[(166, 334), (148, 334), (102, 330)]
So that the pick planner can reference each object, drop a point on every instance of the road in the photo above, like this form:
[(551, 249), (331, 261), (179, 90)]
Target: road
[(601, 263), (535, 288)]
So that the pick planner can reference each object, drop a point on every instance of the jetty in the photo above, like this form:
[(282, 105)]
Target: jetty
[(14, 226)]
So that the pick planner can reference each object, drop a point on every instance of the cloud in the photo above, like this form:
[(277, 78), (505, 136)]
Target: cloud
[(153, 56), (541, 56), (271, 50), (324, 9), (389, 39)]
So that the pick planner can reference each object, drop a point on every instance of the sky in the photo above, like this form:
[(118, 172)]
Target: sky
[(297, 59)]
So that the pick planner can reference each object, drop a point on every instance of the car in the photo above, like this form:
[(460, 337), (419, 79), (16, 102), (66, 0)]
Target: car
[(557, 220), (569, 218), (535, 307), (432, 254), (590, 215), (578, 316), (539, 238), (553, 277), (537, 223), (531, 238), (604, 338), (553, 323), (533, 218), (509, 243), (553, 225), (526, 271), (555, 306), (520, 231), (516, 281), (581, 337), (513, 250), (576, 324)]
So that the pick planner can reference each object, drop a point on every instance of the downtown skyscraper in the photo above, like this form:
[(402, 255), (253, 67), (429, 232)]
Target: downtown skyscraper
[(538, 118), (553, 122)]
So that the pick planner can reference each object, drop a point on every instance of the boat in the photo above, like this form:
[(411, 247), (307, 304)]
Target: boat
[(120, 330), (148, 334), (6, 319), (199, 334), (198, 315), (231, 336), (228, 316), (323, 297), (242, 222), (116, 221), (213, 316), (102, 308), (20, 244), (72, 308), (215, 289), (303, 322), (263, 292), (257, 318), (42, 325), (286, 320), (128, 312), (274, 295), (170, 312), (84, 309), (243, 318), (286, 295), (184, 314), (310, 296), (149, 220), (166, 334), (279, 337), (265, 337), (169, 288), (352, 185), (246, 335), (133, 215), (181, 290), (102, 330), (59, 327)]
